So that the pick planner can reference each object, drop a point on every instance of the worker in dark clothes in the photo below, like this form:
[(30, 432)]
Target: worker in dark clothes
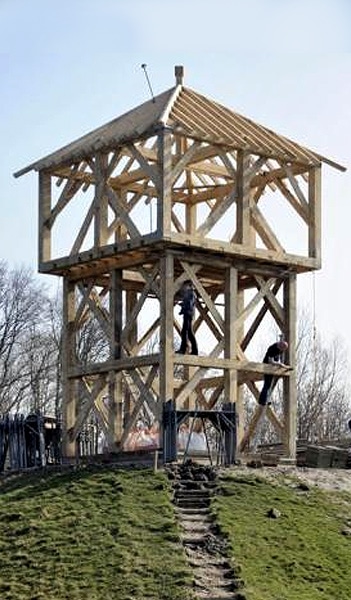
[(273, 356), (188, 312)]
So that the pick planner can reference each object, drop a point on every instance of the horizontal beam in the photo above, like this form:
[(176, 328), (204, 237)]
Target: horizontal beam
[(255, 370)]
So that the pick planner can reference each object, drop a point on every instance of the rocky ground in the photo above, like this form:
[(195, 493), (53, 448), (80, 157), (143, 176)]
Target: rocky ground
[(328, 479)]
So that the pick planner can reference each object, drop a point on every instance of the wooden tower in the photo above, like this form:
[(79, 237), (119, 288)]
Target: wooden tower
[(178, 188)]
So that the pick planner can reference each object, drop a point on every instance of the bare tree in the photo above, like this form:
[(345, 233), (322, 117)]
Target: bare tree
[(22, 300), (322, 384)]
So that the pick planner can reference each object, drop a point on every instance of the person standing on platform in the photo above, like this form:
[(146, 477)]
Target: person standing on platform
[(274, 356), (188, 311)]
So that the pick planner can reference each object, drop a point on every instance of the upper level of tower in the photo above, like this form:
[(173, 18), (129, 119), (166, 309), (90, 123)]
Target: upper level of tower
[(185, 171)]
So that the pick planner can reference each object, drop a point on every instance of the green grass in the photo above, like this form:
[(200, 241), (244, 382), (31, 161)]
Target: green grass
[(103, 533), (94, 534), (302, 555)]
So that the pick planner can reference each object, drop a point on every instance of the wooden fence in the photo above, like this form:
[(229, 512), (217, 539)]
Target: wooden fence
[(28, 441)]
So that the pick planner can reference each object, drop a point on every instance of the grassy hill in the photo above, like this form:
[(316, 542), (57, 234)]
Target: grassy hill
[(291, 541), (104, 533), (90, 535)]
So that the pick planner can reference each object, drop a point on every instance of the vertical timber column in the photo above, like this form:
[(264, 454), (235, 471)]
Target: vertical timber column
[(164, 220), (166, 330), (69, 400), (230, 333), (314, 225), (164, 200), (289, 383), (101, 202), (115, 415), (240, 332), (44, 234), (131, 299), (190, 228), (243, 194)]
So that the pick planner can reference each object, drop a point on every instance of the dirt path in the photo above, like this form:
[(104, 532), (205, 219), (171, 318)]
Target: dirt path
[(205, 548)]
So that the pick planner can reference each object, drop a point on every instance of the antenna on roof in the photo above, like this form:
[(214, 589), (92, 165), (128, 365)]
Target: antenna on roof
[(143, 66)]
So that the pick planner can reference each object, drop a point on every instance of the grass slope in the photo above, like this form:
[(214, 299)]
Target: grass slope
[(94, 534), (302, 554), (110, 534)]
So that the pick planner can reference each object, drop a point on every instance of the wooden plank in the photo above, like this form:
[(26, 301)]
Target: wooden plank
[(230, 333), (101, 203), (243, 211), (70, 189), (271, 300), (295, 185), (265, 287), (150, 170), (90, 395), (264, 230), (289, 384), (259, 318), (257, 417), (116, 314), (182, 163), (117, 204), (69, 398), (166, 330), (315, 218), (217, 212), (44, 228), (296, 205), (84, 228), (164, 203), (92, 302)]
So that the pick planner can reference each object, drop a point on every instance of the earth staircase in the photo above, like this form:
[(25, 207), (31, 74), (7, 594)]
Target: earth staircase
[(193, 488)]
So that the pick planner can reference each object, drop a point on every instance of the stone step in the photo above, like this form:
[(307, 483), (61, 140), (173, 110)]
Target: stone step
[(193, 539), (194, 506), (196, 528), (215, 592), (204, 547), (200, 501), (222, 575), (194, 497), (218, 588), (187, 512), (210, 485), (208, 562), (192, 523), (218, 595), (193, 492)]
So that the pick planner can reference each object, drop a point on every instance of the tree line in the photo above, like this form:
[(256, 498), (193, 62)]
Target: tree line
[(31, 346)]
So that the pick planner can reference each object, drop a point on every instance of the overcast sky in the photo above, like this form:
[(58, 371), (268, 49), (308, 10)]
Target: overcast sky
[(68, 66)]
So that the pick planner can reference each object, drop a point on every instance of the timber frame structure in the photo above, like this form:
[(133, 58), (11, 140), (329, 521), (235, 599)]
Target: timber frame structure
[(178, 188)]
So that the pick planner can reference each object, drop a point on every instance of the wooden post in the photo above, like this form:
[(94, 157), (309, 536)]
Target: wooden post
[(289, 383), (240, 412), (166, 330), (230, 333), (101, 202), (44, 229), (69, 400), (314, 225), (164, 199), (115, 393), (243, 200)]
